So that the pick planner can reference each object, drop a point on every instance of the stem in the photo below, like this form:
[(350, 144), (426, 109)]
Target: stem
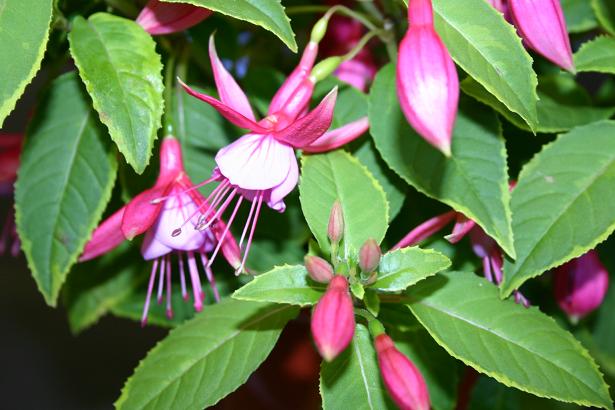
[(364, 40), (125, 7), (169, 80), (360, 17)]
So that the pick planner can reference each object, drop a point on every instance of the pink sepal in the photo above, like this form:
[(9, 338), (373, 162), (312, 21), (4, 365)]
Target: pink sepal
[(165, 18), (337, 137), (426, 229), (106, 237), (227, 112), (462, 227), (310, 127), (141, 213)]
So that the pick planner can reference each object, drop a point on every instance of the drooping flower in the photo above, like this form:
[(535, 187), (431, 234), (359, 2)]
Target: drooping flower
[(581, 285), (165, 18), (403, 380), (427, 82), (10, 149), (542, 26), (343, 35), (157, 212), (333, 320), (261, 166)]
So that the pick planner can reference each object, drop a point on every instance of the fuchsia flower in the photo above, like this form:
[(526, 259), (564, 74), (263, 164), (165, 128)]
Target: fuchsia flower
[(427, 82), (173, 201), (10, 149), (165, 18), (333, 319), (403, 380), (581, 285), (261, 166), (542, 26), (343, 35), (483, 246)]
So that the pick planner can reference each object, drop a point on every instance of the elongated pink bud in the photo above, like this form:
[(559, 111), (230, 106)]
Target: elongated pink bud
[(402, 379), (319, 269), (580, 285), (333, 319), (165, 18), (542, 25), (335, 229), (427, 82), (369, 256)]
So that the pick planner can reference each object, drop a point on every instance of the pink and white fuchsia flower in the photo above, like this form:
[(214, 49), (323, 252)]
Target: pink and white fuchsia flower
[(261, 166), (165, 18), (173, 201), (427, 82)]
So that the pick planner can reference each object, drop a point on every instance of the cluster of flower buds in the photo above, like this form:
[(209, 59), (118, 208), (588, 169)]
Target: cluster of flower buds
[(581, 285), (427, 82), (542, 26)]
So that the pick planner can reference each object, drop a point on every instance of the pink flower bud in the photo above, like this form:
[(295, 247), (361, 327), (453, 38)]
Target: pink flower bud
[(427, 82), (369, 256), (580, 285), (333, 319), (165, 18), (402, 379), (319, 269), (335, 230), (542, 26)]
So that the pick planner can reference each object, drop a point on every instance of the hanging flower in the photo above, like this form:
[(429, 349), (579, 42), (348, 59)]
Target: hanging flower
[(261, 167), (10, 149), (165, 18), (157, 212), (581, 285), (427, 82)]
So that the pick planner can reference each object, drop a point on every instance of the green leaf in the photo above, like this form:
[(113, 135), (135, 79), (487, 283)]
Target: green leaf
[(488, 49), (596, 55), (404, 267), (203, 360), (605, 12), (519, 347), (65, 179), (339, 176), (579, 15), (562, 202), (563, 105), (352, 380), (473, 181), (268, 14), (93, 288), (121, 70), (282, 284), (24, 26)]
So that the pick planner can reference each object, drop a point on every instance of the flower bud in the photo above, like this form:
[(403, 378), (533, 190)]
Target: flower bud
[(333, 319), (542, 26), (325, 68), (320, 29), (369, 256), (319, 269), (335, 230), (580, 285), (165, 18), (402, 379), (427, 82)]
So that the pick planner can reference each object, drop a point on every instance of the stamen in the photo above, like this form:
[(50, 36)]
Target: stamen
[(221, 239), (217, 199), (245, 228), (210, 276), (161, 281), (169, 307), (196, 282), (182, 278), (487, 269), (178, 231), (219, 212), (192, 188), (245, 255), (150, 287)]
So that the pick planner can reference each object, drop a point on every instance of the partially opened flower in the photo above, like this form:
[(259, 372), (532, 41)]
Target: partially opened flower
[(261, 166), (581, 285), (10, 149), (427, 82), (158, 17), (542, 26), (173, 201)]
